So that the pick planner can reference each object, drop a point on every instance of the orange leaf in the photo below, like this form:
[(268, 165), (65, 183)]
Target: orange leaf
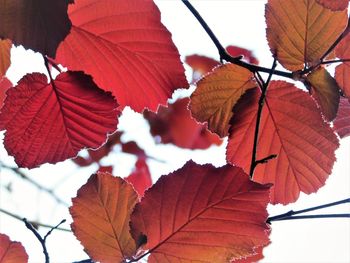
[(325, 90), (291, 127), (37, 24), (254, 258), (5, 61), (299, 32), (217, 93), (202, 214), (11, 251), (175, 125), (126, 49), (101, 212), (342, 71), (342, 121), (334, 5)]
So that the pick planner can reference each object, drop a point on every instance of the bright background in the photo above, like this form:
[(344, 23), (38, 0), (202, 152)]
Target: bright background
[(234, 22)]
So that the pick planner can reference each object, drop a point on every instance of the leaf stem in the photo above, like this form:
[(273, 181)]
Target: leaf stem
[(42, 240), (222, 51), (263, 86), (290, 214), (313, 217)]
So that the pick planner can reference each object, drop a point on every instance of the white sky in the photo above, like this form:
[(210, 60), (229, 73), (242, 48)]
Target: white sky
[(234, 22)]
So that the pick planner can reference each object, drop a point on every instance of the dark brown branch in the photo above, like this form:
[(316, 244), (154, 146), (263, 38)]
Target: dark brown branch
[(42, 240), (263, 86), (222, 51), (312, 217), (18, 172), (266, 159), (291, 213), (32, 221), (335, 61)]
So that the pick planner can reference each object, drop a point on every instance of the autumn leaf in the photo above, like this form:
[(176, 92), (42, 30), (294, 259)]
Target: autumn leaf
[(337, 5), (36, 24), (299, 32), (140, 177), (11, 251), (200, 65), (342, 121), (126, 49), (5, 84), (325, 90), (175, 125), (217, 93), (101, 213), (132, 147), (254, 258), (51, 122), (5, 61), (247, 54), (291, 127), (342, 71), (200, 213)]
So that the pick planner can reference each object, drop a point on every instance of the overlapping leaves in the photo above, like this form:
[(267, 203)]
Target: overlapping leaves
[(206, 213)]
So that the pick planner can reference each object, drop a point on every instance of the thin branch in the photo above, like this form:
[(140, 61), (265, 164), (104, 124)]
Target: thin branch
[(42, 240), (32, 221), (312, 217), (49, 191), (335, 61), (292, 213), (46, 61), (264, 85), (53, 63), (266, 159), (222, 51)]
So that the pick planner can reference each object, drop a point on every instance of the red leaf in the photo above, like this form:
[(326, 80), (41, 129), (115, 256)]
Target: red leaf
[(11, 251), (52, 122), (291, 127), (140, 177), (175, 125), (342, 71), (342, 121), (202, 214), (5, 84), (337, 5), (247, 54), (126, 49), (37, 24), (133, 148), (254, 258), (200, 65)]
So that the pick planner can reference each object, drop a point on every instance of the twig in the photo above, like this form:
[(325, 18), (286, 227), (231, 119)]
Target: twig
[(291, 213), (42, 240), (222, 51), (32, 221), (335, 61), (312, 217), (263, 86), (49, 191)]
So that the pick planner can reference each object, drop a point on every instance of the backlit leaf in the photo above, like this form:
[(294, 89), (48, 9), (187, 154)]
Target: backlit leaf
[(291, 127), (342, 71), (11, 251), (342, 121), (334, 5), (247, 54), (254, 258), (101, 213), (175, 125), (51, 122), (200, 65), (202, 214), (140, 177), (217, 93), (36, 24), (5, 49), (126, 49), (325, 90), (5, 84), (299, 32)]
